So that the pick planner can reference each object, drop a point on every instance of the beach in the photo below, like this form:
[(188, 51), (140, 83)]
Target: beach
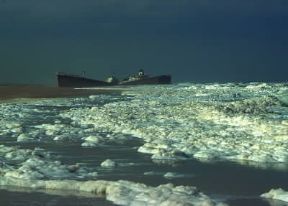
[(8, 92), (179, 144)]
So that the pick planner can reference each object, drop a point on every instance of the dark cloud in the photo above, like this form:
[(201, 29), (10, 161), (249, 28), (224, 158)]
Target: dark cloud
[(207, 40), (144, 9)]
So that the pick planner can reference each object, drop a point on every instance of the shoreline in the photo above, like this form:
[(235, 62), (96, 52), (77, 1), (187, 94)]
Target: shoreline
[(10, 92)]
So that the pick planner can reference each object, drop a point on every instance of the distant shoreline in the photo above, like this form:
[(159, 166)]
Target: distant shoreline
[(8, 92)]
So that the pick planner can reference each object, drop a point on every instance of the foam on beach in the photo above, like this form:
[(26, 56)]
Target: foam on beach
[(206, 122), (37, 164), (123, 192), (230, 122), (243, 123), (36, 169), (276, 194)]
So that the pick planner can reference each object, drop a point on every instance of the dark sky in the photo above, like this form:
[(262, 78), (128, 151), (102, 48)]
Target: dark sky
[(194, 40)]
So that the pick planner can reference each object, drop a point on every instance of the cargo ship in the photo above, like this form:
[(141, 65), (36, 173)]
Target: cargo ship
[(78, 81)]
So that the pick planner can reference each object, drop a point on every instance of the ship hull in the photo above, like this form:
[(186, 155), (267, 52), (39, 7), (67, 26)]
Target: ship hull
[(66, 80), (77, 81), (163, 79)]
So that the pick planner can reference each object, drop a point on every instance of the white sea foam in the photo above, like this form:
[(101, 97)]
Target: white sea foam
[(207, 122), (123, 192), (172, 175), (23, 138), (37, 164), (277, 194), (108, 163), (37, 169), (92, 140), (283, 96), (230, 122)]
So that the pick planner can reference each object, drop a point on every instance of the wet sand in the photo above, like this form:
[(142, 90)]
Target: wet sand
[(39, 91)]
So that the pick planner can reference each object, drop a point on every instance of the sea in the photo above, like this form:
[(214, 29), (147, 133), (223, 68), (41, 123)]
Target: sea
[(178, 144)]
